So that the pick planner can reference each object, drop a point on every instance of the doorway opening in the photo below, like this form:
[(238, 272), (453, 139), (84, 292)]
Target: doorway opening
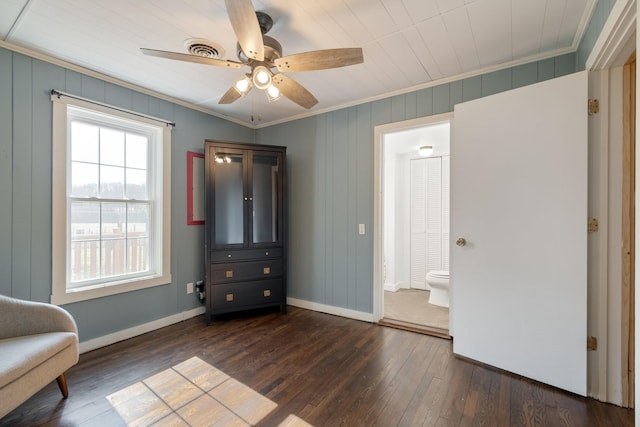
[(414, 225)]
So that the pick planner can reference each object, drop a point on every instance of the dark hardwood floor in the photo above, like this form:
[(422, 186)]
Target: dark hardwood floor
[(326, 370)]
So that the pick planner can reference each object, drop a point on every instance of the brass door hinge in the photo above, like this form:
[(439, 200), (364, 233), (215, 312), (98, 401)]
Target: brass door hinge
[(592, 343), (593, 106), (592, 226)]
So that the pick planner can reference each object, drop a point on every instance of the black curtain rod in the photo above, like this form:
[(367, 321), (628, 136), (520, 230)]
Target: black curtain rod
[(59, 94)]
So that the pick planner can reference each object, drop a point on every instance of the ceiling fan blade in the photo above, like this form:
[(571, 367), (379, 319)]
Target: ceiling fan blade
[(294, 91), (320, 59), (230, 96), (246, 27), (192, 58)]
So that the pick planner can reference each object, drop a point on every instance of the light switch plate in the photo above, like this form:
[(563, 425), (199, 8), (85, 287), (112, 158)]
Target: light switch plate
[(361, 229)]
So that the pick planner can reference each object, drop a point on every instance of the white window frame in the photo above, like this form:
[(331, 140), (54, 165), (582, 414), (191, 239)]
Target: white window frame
[(161, 207)]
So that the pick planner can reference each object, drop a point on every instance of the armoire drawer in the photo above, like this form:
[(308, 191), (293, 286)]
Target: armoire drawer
[(245, 294), (243, 271), (244, 254)]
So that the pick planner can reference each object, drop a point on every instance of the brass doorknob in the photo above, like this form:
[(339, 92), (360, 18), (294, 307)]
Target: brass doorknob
[(461, 241)]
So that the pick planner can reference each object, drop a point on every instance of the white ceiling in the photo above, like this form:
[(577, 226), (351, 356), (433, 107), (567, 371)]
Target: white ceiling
[(407, 44), (407, 142)]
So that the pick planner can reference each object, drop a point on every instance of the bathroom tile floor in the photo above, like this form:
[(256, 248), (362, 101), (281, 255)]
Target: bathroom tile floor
[(412, 305)]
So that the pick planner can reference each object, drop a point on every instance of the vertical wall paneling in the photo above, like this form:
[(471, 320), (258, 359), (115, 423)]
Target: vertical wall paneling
[(600, 15), (495, 82), (352, 203), (471, 88), (411, 105), (455, 93), (546, 69), (92, 88), (523, 75), (6, 170), (340, 211), (364, 197), (398, 110), (318, 194), (73, 82), (118, 96), (424, 102), (441, 99), (22, 155), (329, 219)]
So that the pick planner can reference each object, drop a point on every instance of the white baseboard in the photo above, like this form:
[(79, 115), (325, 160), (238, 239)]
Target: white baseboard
[(329, 309), (125, 334), (393, 287)]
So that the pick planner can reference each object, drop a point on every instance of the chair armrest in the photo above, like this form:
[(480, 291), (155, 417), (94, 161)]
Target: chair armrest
[(19, 318)]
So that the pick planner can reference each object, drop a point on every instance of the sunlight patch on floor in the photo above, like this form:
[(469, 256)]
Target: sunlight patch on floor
[(193, 393)]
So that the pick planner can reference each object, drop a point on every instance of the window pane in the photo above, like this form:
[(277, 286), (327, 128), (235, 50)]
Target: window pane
[(84, 179), (111, 147), (112, 257), (114, 217), (84, 142), (138, 220), (85, 243), (85, 220), (85, 261), (136, 151), (137, 255), (112, 182), (136, 187)]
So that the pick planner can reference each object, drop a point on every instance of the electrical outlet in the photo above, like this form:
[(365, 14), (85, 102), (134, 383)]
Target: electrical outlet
[(190, 287)]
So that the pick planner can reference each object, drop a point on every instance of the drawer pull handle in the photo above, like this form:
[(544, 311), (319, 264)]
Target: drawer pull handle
[(229, 297), (267, 270), (229, 256), (267, 293), (266, 253), (229, 274)]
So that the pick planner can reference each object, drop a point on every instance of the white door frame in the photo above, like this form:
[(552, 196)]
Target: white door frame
[(379, 133), (611, 45)]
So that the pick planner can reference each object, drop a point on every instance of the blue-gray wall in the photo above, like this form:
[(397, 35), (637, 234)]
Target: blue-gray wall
[(599, 17), (25, 192), (330, 158)]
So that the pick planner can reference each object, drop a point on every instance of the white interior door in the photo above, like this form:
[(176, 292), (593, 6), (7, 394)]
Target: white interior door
[(519, 199)]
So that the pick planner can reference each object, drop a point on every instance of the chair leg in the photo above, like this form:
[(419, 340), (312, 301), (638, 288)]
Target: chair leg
[(62, 383)]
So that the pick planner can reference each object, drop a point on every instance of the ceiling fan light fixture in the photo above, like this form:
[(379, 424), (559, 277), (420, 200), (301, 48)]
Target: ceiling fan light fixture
[(243, 85), (425, 150), (273, 93), (261, 77)]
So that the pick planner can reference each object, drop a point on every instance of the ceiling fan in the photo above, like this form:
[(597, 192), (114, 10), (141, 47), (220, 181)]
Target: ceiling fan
[(263, 54)]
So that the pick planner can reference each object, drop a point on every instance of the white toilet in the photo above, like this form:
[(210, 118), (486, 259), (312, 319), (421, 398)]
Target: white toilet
[(439, 283)]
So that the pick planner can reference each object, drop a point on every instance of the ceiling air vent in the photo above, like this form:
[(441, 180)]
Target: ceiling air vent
[(202, 47)]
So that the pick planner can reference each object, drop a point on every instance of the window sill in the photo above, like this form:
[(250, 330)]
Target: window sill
[(79, 295)]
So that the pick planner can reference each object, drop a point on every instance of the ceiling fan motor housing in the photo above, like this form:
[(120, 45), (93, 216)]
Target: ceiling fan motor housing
[(272, 51)]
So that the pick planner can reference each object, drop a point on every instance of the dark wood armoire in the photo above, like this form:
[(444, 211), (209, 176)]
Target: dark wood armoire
[(245, 227)]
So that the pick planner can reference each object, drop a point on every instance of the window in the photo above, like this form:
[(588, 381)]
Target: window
[(111, 201)]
